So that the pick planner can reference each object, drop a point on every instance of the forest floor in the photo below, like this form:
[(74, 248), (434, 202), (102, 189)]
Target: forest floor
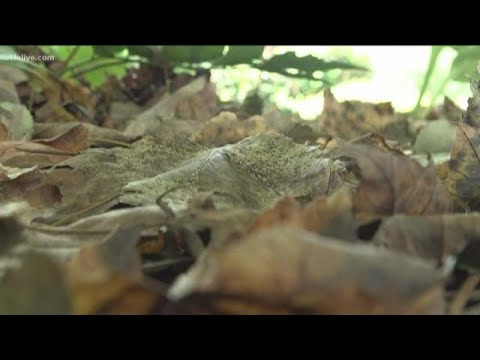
[(138, 198)]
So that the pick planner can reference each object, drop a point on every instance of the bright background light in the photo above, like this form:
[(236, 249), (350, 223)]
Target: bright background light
[(396, 76)]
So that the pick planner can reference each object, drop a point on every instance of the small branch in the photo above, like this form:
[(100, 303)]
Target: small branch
[(69, 58), (108, 141)]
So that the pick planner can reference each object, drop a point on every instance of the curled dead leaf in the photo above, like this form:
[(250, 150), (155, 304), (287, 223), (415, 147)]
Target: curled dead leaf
[(299, 272), (393, 184)]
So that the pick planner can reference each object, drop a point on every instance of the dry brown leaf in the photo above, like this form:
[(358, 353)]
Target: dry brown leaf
[(74, 140), (299, 272), (393, 184), (16, 122), (8, 92), (28, 154), (227, 129), (432, 237), (460, 175), (97, 136), (472, 115), (200, 106), (36, 288), (351, 119), (66, 101), (106, 278), (163, 112), (326, 215)]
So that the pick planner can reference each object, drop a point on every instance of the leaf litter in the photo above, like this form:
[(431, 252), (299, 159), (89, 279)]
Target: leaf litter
[(142, 198)]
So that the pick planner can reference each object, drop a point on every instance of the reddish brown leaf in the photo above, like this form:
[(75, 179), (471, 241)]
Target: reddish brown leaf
[(461, 175), (351, 119), (106, 278), (395, 185), (433, 237), (73, 140), (330, 216), (299, 272)]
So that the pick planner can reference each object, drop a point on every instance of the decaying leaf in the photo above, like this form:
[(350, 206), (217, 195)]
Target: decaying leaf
[(97, 136), (351, 119), (27, 184), (10, 173), (254, 173), (227, 129), (8, 92), (16, 122), (433, 237), (392, 184), (106, 278), (66, 101), (164, 110), (328, 216), (36, 288), (73, 140), (472, 116), (200, 106), (461, 174), (91, 182), (299, 272)]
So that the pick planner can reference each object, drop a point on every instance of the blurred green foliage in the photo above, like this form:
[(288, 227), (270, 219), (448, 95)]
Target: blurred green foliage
[(96, 63), (280, 78), (463, 68)]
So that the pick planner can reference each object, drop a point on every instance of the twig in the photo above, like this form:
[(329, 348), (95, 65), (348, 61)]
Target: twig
[(69, 58), (54, 230), (94, 206), (108, 141), (45, 152), (77, 73)]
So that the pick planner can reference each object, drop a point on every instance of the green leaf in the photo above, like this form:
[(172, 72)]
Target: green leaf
[(143, 50), (465, 64), (98, 77), (191, 54), (240, 55), (289, 64), (109, 50), (432, 63), (62, 53)]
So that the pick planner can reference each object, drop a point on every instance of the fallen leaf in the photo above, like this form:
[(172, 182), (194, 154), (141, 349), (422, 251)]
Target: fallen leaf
[(326, 215), (28, 184), (227, 129), (351, 119), (432, 237), (299, 272), (66, 101), (16, 122), (8, 92), (97, 136), (106, 278), (164, 110), (36, 288), (472, 115), (92, 181), (73, 140), (200, 106), (254, 173), (393, 184), (460, 175)]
